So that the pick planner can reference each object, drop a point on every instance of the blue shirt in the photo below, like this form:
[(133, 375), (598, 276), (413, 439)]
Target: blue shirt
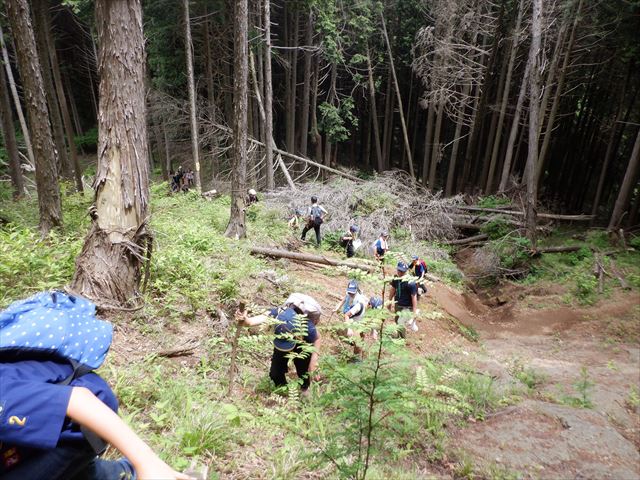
[(404, 291), (291, 330), (380, 249), (34, 409), (419, 270)]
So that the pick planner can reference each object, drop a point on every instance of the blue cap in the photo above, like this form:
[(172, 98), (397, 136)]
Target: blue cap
[(352, 287), (353, 228), (414, 257), (402, 267)]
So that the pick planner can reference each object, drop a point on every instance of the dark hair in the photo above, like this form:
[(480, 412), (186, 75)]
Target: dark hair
[(314, 199)]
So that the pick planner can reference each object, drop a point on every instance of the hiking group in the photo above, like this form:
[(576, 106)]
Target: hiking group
[(57, 415)]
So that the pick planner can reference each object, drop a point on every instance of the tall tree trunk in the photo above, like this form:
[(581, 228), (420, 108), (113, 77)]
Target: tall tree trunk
[(9, 135), (306, 88), (505, 99), (41, 24), (626, 189), (108, 270), (436, 150), (506, 166), (268, 95), (211, 105), (427, 145), (480, 112), (556, 100), (456, 143), (195, 144), (92, 87), (72, 102), (388, 123), (534, 125), (64, 110), (316, 138), (612, 144), (374, 113), (236, 228), (405, 135), (481, 180), (44, 151), (291, 110), (16, 100)]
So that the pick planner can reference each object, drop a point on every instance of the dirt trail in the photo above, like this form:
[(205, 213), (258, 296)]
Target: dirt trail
[(586, 357)]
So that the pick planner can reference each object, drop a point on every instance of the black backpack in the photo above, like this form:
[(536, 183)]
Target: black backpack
[(316, 215)]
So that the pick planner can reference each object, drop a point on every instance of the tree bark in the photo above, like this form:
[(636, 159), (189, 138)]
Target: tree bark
[(9, 135), (626, 189), (515, 125), (534, 125), (44, 151), (306, 88), (427, 145), (211, 105), (268, 96), (195, 145), (293, 83), (374, 113), (436, 151), (108, 269), (236, 227), (405, 135), (41, 26), (16, 101), (388, 123), (64, 110)]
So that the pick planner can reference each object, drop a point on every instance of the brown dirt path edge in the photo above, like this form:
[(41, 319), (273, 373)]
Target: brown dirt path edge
[(543, 439)]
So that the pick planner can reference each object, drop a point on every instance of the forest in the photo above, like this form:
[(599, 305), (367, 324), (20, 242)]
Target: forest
[(161, 160)]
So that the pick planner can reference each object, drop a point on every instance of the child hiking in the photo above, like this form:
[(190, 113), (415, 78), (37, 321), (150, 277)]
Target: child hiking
[(57, 415), (315, 218), (295, 333)]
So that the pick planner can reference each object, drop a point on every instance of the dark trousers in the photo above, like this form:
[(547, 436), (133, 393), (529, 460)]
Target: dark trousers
[(308, 227), (69, 461), (279, 367)]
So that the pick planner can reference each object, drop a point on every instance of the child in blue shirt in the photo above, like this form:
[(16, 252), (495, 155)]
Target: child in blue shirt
[(43, 422), (291, 335)]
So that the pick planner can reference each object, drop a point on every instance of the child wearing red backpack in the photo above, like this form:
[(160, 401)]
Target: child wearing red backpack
[(418, 269)]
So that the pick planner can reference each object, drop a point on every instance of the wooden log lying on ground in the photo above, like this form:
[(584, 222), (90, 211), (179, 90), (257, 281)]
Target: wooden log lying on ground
[(551, 216), (565, 249), (464, 241), (308, 257)]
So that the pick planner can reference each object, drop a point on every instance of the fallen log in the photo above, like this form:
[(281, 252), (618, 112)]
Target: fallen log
[(551, 216), (464, 241), (620, 276), (571, 248), (308, 257)]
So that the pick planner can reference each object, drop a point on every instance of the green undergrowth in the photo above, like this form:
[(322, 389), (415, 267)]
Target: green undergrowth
[(576, 269), (392, 404)]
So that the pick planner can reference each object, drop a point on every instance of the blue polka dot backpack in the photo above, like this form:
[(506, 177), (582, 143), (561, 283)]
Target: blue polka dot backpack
[(55, 326)]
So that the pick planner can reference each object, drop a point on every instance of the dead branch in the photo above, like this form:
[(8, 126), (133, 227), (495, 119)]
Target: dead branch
[(551, 216), (307, 257), (184, 350)]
